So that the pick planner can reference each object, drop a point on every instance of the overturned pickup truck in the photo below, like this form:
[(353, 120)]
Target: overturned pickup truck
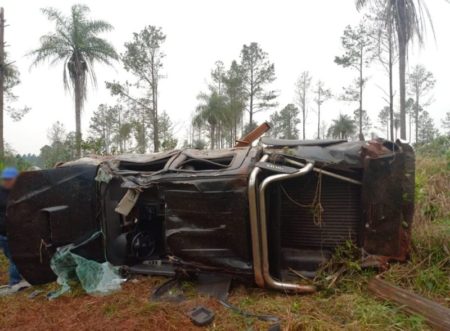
[(255, 212)]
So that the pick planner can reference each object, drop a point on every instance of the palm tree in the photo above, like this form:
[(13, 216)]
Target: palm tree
[(409, 17), (75, 42), (210, 112), (342, 127)]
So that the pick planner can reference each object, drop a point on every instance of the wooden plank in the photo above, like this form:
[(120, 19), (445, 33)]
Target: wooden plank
[(253, 135), (435, 314)]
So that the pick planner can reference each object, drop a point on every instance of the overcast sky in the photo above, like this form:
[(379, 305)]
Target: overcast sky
[(297, 35)]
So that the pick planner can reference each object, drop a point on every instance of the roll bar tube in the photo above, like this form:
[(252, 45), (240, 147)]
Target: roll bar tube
[(254, 226), (268, 280)]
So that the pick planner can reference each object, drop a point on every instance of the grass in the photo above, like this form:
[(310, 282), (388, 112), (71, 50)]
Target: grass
[(345, 305)]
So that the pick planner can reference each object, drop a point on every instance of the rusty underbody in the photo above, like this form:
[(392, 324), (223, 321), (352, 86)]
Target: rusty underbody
[(256, 213)]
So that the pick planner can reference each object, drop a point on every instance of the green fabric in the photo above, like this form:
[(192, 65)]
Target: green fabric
[(95, 278)]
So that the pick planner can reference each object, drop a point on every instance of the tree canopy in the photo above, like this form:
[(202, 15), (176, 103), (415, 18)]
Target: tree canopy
[(342, 128), (76, 43)]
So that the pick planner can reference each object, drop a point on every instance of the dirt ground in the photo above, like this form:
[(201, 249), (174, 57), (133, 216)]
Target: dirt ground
[(130, 309)]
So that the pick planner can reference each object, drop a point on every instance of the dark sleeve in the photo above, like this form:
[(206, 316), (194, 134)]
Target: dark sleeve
[(3, 202)]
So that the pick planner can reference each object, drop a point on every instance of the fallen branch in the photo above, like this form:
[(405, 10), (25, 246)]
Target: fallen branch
[(435, 314)]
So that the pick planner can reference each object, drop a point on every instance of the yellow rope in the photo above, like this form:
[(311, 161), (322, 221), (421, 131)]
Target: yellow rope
[(315, 205)]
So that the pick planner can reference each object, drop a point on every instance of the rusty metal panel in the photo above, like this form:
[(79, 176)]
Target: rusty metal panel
[(382, 199), (388, 204)]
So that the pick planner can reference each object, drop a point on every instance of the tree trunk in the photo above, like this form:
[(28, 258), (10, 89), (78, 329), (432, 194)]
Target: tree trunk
[(241, 119), (155, 132), (234, 136), (304, 113), (212, 134), (108, 140), (78, 104), (219, 136), (2, 81), (402, 72), (361, 136), (251, 99), (231, 143), (155, 111), (410, 127), (402, 46), (143, 135), (318, 112), (251, 112), (417, 116), (391, 87), (289, 133), (121, 142), (119, 133)]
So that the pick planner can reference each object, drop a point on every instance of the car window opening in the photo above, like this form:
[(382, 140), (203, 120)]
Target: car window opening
[(195, 164), (156, 165)]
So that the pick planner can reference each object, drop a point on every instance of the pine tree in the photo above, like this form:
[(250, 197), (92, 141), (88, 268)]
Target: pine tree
[(284, 123), (358, 54)]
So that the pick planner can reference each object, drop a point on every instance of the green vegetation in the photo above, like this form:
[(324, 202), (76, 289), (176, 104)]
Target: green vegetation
[(143, 58), (284, 123), (11, 79), (342, 128), (21, 162)]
